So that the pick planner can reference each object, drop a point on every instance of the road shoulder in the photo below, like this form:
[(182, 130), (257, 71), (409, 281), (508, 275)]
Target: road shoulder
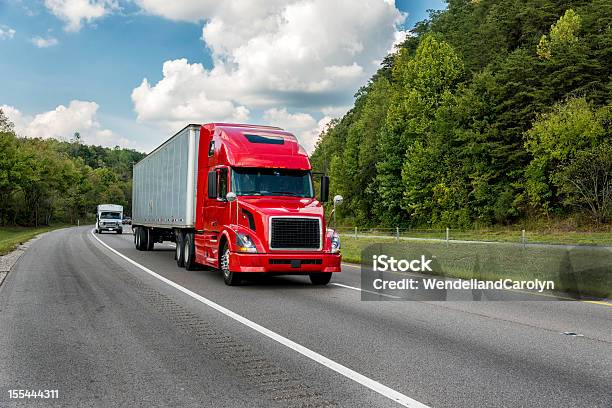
[(9, 260)]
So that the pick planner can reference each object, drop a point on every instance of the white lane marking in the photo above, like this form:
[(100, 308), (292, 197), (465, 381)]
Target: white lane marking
[(313, 355), (364, 290)]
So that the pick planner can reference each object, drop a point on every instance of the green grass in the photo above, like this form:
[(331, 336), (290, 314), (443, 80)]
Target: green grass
[(583, 271), (11, 237), (551, 237)]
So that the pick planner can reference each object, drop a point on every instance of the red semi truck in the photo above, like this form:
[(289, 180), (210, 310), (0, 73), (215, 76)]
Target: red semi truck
[(239, 198)]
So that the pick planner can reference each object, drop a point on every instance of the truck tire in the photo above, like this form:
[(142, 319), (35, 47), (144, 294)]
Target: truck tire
[(189, 252), (230, 278), (320, 278), (120, 231), (150, 239), (179, 254), (137, 238), (141, 239)]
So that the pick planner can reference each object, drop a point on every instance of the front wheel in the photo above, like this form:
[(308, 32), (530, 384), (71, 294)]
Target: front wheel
[(320, 278), (230, 278)]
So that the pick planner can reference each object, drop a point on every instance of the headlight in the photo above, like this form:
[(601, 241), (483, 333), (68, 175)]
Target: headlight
[(245, 243), (335, 242)]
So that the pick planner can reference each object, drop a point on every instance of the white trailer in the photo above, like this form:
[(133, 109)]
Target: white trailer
[(109, 217), (164, 184)]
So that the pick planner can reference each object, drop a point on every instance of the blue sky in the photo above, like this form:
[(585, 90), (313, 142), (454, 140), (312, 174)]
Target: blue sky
[(57, 51)]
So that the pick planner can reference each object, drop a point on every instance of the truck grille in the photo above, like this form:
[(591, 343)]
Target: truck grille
[(295, 233)]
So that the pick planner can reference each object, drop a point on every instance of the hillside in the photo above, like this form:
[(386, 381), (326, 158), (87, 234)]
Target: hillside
[(46, 181), (492, 112)]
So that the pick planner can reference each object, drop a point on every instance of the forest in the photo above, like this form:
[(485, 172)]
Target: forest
[(492, 112), (47, 181)]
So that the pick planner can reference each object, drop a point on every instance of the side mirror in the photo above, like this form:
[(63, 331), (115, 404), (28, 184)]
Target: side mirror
[(338, 200), (231, 196), (324, 189)]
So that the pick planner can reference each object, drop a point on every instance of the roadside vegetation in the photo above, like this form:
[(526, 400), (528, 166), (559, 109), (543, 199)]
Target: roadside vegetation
[(11, 237), (596, 238), (580, 271), (493, 113), (47, 181)]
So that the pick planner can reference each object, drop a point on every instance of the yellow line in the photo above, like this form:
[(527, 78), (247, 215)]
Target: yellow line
[(597, 302)]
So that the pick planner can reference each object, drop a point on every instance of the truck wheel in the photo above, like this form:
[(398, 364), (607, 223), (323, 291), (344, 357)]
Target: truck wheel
[(320, 278), (230, 278), (119, 231), (141, 239), (189, 251), (179, 254), (138, 239), (150, 240)]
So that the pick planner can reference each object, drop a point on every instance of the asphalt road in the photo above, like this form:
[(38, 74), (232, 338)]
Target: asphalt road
[(78, 318)]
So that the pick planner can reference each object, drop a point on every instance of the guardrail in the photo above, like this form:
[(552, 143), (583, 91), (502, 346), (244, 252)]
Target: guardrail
[(521, 236)]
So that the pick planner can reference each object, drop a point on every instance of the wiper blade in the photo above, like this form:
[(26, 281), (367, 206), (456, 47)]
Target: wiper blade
[(250, 193), (289, 193)]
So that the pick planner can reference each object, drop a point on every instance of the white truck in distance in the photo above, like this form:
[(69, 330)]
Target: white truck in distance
[(109, 218)]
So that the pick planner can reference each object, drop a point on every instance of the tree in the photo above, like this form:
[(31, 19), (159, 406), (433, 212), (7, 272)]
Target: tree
[(564, 33), (6, 126), (586, 182), (555, 140)]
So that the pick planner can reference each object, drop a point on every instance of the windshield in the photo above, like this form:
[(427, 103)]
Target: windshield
[(108, 215), (271, 182)]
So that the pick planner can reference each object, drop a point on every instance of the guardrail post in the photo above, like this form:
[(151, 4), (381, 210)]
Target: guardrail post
[(523, 237), (447, 235), (78, 223), (355, 232), (397, 234)]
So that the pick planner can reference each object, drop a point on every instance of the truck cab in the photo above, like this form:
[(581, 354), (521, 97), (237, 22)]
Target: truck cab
[(109, 217), (259, 210)]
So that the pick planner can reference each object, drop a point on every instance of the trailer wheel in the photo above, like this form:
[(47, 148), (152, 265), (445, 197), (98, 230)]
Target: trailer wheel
[(179, 254), (150, 239), (230, 278), (189, 251), (141, 239), (320, 278)]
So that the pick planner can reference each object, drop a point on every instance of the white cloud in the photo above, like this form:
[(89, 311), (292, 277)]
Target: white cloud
[(292, 54), (181, 97), (186, 10), (62, 122), (6, 33), (41, 42), (303, 125), (344, 71), (75, 12), (335, 111)]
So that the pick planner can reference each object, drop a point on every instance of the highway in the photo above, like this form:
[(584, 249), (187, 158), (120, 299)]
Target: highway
[(109, 331)]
